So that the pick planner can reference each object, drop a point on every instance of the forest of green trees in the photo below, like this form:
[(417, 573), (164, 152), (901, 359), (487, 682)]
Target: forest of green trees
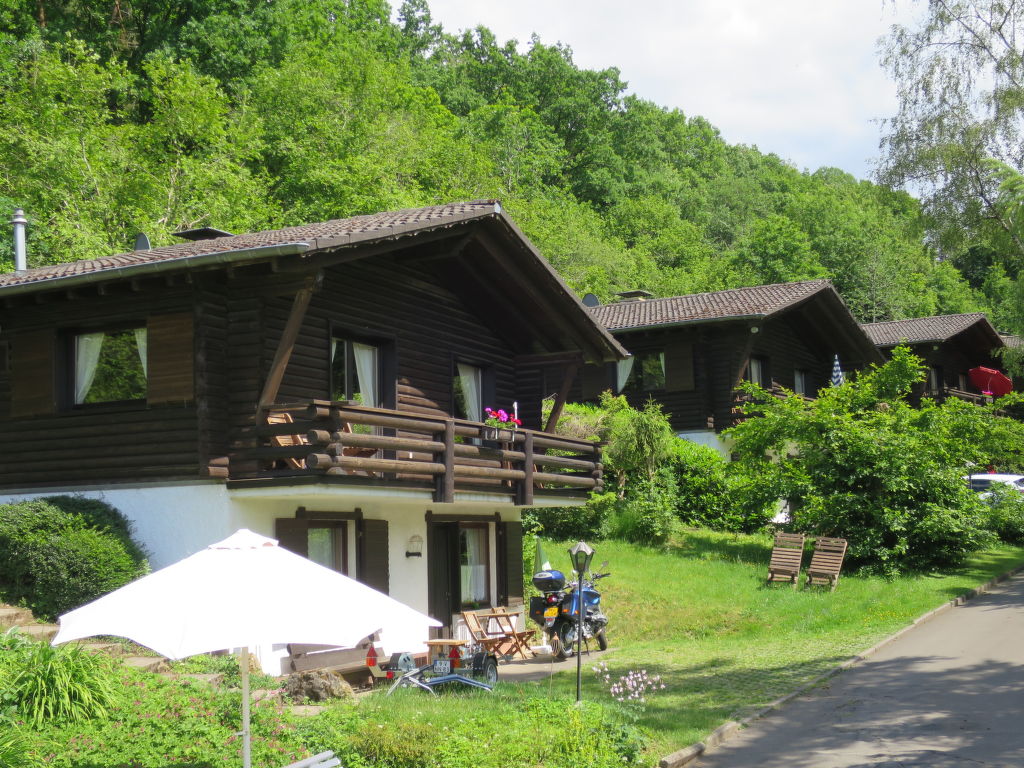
[(126, 116)]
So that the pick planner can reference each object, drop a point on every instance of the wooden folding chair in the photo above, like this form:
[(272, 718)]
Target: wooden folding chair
[(520, 638), (787, 555), (498, 643), (826, 562)]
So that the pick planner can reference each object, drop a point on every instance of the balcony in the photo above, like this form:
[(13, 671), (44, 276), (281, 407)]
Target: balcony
[(342, 442)]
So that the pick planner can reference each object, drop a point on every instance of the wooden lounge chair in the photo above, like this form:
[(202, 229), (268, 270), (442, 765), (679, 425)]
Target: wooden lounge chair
[(289, 441), (826, 562), (787, 555)]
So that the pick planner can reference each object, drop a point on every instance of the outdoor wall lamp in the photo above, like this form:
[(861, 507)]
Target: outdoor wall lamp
[(415, 546)]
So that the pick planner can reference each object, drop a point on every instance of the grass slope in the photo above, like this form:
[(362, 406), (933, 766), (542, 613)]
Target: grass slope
[(699, 614)]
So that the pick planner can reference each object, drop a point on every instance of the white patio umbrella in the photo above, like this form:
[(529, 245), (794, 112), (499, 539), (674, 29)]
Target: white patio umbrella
[(243, 592)]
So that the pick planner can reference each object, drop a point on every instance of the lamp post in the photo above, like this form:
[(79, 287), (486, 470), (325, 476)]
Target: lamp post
[(581, 555)]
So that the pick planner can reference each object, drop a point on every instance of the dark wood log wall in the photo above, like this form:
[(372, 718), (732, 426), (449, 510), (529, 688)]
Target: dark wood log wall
[(61, 444), (424, 328), (720, 354)]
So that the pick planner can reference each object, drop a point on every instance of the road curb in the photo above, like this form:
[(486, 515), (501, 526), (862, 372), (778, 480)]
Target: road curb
[(725, 731)]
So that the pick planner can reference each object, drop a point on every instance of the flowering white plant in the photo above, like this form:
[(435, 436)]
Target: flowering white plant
[(634, 687)]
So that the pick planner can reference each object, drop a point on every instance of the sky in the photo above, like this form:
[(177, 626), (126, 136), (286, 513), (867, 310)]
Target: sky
[(798, 78)]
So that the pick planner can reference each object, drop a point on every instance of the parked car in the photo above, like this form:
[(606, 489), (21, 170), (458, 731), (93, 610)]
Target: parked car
[(982, 484)]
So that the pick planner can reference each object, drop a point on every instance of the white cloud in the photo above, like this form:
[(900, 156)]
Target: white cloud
[(799, 78)]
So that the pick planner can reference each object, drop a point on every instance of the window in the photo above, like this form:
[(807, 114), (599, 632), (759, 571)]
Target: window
[(327, 544), (474, 565), (935, 379), (467, 392), (646, 374), (800, 385), (355, 372), (110, 366), (757, 372), (962, 382)]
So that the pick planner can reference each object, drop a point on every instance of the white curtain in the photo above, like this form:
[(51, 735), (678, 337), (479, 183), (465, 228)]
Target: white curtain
[(142, 342), (470, 379), (366, 369), (474, 575), (335, 343), (623, 367), (87, 355)]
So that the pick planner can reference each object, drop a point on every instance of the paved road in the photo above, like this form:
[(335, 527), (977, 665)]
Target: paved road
[(947, 694)]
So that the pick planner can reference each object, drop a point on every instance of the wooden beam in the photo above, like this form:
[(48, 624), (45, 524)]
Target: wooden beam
[(563, 394), (551, 358), (287, 343)]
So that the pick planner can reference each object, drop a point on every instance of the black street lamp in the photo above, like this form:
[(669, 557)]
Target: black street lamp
[(581, 555)]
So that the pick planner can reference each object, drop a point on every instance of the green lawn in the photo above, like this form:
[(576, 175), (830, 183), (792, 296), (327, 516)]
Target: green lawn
[(699, 614)]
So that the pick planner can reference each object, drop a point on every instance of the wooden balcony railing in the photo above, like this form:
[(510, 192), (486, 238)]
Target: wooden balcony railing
[(378, 446)]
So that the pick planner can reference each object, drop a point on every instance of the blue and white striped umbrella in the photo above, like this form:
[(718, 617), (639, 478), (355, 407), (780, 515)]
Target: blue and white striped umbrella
[(837, 373)]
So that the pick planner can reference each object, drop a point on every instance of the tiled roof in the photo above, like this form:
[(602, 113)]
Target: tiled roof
[(921, 329), (338, 232), (756, 301)]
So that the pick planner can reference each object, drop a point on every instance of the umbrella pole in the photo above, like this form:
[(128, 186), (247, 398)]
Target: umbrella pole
[(243, 661)]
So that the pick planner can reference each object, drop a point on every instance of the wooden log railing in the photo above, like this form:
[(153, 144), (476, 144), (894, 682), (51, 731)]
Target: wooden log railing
[(449, 455)]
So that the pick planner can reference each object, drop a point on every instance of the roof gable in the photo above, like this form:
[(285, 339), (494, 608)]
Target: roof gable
[(920, 330), (753, 302), (334, 233)]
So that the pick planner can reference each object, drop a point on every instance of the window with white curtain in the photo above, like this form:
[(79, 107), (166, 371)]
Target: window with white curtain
[(355, 372), (110, 366), (645, 374), (467, 392), (474, 565)]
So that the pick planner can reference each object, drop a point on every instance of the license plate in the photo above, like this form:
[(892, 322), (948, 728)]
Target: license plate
[(550, 613), (443, 667)]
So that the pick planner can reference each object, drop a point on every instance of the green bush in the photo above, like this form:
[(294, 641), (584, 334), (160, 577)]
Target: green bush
[(588, 522), (47, 684), (52, 560), (647, 513), (859, 462), (1004, 513), (101, 516), (473, 731)]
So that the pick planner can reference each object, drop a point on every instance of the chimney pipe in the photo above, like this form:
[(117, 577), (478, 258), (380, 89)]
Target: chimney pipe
[(19, 221)]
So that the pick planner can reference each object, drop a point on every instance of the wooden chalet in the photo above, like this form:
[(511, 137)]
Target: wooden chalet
[(950, 346), (689, 353), (324, 384)]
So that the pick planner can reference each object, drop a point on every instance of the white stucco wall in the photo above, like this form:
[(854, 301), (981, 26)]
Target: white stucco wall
[(175, 520), (711, 439)]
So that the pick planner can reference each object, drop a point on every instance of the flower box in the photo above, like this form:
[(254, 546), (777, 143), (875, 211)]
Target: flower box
[(497, 434)]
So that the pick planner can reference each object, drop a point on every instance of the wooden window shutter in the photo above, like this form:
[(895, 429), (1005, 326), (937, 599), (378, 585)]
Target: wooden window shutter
[(594, 380), (292, 533), (510, 562), (170, 358), (679, 367), (372, 564), (33, 390)]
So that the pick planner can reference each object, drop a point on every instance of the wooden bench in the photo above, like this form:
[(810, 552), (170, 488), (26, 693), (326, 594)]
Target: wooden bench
[(826, 562), (787, 556)]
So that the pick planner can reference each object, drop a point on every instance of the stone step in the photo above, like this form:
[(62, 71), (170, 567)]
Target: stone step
[(147, 663), (39, 631), (111, 649), (13, 617), (211, 678)]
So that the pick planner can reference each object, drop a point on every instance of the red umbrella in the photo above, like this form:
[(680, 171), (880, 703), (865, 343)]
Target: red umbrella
[(989, 380)]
